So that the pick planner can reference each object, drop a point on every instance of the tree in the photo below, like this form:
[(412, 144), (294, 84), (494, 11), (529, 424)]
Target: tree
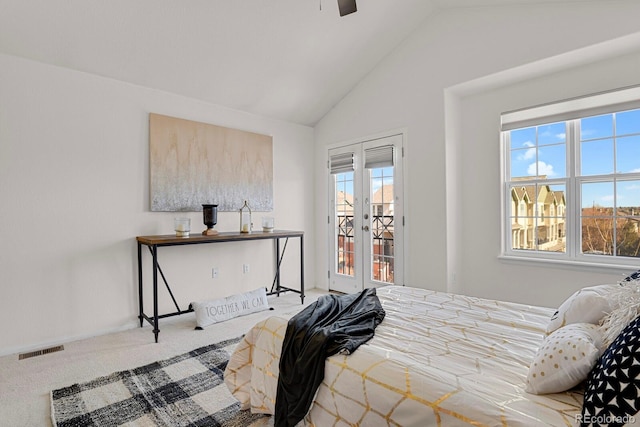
[(628, 239), (598, 233)]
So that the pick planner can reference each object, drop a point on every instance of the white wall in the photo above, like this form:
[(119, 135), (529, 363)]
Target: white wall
[(448, 248), (74, 188), (480, 114)]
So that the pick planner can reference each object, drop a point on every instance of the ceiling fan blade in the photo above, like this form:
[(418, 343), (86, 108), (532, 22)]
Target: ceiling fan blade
[(347, 6)]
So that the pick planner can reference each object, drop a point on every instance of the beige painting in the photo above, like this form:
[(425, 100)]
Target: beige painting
[(192, 163)]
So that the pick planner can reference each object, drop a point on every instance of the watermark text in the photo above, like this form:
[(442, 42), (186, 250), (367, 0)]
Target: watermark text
[(605, 419)]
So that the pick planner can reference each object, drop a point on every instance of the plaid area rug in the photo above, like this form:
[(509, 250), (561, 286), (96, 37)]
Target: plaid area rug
[(186, 390)]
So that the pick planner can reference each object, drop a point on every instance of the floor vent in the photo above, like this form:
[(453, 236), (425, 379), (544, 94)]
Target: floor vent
[(40, 352)]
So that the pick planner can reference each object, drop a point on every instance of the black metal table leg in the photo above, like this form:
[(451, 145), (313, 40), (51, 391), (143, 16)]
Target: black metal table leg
[(166, 284), (301, 269), (278, 260), (154, 252), (278, 256), (140, 284)]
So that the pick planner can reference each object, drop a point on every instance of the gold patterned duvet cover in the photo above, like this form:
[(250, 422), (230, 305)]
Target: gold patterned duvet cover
[(437, 359)]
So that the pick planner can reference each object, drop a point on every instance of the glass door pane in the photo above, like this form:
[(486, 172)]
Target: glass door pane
[(344, 216), (345, 270), (382, 224)]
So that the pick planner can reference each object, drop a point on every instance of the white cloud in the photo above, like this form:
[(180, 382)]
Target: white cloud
[(528, 154), (543, 169)]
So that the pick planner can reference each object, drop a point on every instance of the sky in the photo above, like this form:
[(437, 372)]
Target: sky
[(379, 177), (608, 143)]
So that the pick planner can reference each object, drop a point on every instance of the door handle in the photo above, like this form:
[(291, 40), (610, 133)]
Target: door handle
[(365, 228)]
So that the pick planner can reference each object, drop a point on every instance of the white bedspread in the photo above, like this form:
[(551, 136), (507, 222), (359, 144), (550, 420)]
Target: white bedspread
[(436, 359)]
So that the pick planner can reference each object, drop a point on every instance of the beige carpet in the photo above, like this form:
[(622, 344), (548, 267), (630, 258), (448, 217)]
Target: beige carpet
[(25, 385)]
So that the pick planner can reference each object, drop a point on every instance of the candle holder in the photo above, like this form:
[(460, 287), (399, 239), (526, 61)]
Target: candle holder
[(210, 219), (182, 226), (267, 224), (245, 218)]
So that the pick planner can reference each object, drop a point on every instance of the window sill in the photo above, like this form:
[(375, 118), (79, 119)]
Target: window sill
[(599, 267)]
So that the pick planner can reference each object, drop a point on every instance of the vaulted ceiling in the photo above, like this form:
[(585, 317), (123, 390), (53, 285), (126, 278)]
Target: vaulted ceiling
[(286, 59)]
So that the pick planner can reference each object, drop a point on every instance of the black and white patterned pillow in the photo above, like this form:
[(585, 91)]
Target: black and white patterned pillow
[(612, 395), (633, 276)]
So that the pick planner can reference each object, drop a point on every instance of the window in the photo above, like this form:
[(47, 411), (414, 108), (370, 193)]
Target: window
[(572, 186)]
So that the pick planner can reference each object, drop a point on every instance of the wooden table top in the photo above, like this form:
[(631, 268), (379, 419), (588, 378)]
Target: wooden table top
[(223, 236)]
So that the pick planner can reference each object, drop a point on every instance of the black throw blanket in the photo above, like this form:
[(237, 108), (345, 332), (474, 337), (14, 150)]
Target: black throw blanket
[(334, 323)]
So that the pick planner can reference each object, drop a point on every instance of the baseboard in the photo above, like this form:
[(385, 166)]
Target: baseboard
[(46, 344)]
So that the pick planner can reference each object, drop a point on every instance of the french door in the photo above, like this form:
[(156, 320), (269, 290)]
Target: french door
[(366, 215)]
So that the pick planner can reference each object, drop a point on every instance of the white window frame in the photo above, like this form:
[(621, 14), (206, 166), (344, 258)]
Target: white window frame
[(569, 111)]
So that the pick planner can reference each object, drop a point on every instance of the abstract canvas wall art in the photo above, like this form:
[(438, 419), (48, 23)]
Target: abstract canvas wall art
[(193, 163)]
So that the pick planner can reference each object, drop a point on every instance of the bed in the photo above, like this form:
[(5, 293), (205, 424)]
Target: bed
[(436, 359)]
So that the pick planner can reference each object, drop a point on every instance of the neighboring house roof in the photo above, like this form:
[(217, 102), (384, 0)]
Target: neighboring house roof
[(384, 194), (345, 202), (525, 192), (545, 194)]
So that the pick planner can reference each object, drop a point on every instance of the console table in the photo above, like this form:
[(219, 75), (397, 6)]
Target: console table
[(155, 242)]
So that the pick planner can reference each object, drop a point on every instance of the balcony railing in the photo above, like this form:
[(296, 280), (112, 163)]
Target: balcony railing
[(382, 246), (381, 226)]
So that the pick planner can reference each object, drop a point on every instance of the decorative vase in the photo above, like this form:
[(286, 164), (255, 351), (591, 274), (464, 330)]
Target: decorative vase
[(210, 218)]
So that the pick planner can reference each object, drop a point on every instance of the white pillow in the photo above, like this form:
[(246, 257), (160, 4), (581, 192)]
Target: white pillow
[(588, 305), (564, 359), (210, 312), (625, 301)]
